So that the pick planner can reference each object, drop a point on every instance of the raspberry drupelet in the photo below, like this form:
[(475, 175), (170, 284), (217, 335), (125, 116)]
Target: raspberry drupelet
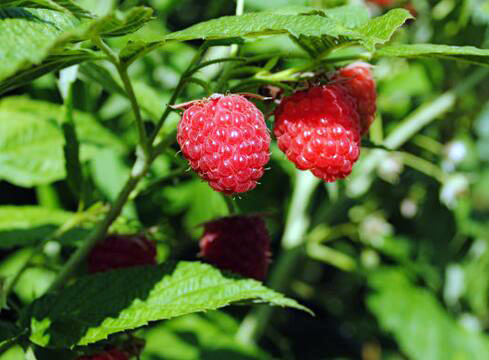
[(226, 141)]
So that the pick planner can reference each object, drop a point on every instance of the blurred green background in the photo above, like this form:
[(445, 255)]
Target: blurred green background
[(397, 263)]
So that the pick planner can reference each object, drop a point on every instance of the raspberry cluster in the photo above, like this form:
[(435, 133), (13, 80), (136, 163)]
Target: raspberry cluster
[(226, 141), (240, 244), (120, 251), (319, 129)]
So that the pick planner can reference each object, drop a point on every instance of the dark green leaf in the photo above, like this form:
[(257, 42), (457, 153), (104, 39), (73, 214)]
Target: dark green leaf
[(8, 331), (99, 305), (54, 62)]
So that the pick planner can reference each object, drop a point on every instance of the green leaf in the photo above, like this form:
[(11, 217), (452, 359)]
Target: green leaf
[(27, 225), (54, 62), (214, 334), (8, 331), (27, 35), (463, 53), (106, 303), (117, 23), (351, 16), (379, 30), (315, 27), (418, 322), (259, 24), (31, 141), (58, 5)]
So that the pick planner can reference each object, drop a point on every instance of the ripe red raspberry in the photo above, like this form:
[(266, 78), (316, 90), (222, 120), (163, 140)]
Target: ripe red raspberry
[(318, 129), (358, 80), (226, 141), (113, 354), (120, 251), (239, 244)]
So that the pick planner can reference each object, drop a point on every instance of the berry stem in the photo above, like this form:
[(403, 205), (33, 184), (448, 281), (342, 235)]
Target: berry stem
[(231, 204), (126, 81), (293, 240), (178, 89)]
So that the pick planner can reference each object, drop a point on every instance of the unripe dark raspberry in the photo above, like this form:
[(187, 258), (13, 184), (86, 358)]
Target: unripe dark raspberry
[(319, 130), (120, 251), (358, 80), (113, 354), (226, 141), (239, 244)]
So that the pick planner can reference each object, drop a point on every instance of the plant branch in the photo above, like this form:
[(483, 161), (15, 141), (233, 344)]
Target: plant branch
[(139, 170)]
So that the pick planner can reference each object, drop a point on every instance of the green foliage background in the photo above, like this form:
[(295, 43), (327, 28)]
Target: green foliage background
[(393, 261)]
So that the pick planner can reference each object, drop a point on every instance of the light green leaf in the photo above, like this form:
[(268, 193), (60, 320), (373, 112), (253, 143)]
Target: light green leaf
[(31, 141), (379, 30), (27, 35), (214, 333), (420, 325), (27, 225), (463, 53), (106, 303), (351, 16), (259, 24), (117, 23)]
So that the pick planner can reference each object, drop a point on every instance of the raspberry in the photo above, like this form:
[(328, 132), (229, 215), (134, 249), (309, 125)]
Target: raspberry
[(239, 244), (318, 129), (113, 354), (226, 141), (120, 251), (358, 80)]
